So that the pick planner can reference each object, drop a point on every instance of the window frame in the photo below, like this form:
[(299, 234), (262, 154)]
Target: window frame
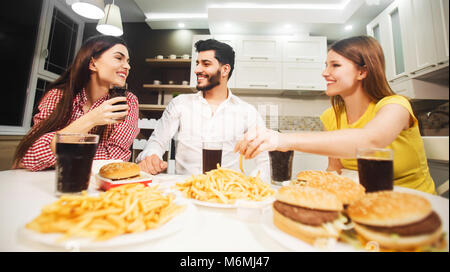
[(37, 67)]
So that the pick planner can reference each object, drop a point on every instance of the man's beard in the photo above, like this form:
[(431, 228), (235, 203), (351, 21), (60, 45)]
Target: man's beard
[(213, 81)]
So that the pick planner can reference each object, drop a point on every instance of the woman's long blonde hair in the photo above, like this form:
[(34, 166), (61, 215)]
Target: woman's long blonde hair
[(366, 53)]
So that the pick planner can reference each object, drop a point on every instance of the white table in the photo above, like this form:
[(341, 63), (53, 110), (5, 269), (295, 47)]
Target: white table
[(24, 193)]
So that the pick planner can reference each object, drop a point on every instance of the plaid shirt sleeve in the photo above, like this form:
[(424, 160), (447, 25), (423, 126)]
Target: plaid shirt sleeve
[(39, 156), (120, 136)]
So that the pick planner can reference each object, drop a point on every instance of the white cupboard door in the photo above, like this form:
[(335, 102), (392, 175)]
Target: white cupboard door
[(422, 56), (258, 75), (303, 76), (440, 21), (379, 29), (259, 49), (308, 49), (396, 25)]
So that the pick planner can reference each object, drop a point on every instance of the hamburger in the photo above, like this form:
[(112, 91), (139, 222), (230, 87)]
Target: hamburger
[(120, 171), (345, 189), (308, 175), (397, 221), (307, 213)]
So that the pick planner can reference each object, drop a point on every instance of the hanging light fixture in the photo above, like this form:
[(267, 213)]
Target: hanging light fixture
[(111, 23), (92, 9)]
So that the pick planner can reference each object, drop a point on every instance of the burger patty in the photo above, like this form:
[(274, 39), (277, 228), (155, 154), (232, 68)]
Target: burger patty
[(132, 177), (304, 215), (428, 225)]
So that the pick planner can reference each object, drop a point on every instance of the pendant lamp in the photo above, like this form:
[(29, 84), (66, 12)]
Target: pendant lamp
[(111, 23), (92, 9)]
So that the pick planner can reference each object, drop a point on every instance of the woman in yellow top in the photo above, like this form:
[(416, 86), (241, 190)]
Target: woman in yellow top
[(365, 112)]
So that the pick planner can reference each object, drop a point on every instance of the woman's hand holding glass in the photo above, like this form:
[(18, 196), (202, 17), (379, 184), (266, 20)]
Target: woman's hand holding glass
[(108, 113), (257, 140)]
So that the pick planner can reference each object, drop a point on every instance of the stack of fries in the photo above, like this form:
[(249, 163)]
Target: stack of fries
[(224, 186), (124, 209)]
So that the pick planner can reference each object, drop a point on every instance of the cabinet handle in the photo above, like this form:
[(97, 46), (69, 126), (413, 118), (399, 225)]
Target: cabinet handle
[(423, 69), (303, 86), (259, 85), (397, 79), (303, 59), (263, 58)]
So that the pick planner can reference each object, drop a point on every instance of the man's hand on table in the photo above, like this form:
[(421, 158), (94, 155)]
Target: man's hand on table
[(152, 164)]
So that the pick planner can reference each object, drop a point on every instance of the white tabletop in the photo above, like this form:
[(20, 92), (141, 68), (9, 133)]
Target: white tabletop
[(24, 193)]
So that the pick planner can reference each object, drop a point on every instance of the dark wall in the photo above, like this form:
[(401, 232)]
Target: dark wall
[(143, 42), (19, 23)]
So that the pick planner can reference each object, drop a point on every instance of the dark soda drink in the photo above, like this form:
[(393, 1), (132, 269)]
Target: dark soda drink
[(376, 174), (211, 158), (73, 166), (280, 165), (118, 92)]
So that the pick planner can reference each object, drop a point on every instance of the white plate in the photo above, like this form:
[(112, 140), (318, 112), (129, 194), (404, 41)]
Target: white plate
[(440, 206), (295, 244), (106, 184), (238, 203), (213, 205), (175, 224)]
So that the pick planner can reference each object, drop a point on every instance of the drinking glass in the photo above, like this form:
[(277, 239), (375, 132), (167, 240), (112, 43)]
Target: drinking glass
[(74, 155), (280, 166), (211, 155), (118, 92), (375, 168)]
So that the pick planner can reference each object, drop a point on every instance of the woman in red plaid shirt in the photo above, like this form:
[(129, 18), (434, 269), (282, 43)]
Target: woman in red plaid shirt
[(79, 101)]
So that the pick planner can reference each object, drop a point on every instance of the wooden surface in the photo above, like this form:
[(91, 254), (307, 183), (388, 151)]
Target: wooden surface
[(8, 145)]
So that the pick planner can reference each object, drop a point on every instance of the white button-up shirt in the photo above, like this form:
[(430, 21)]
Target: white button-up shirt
[(190, 121)]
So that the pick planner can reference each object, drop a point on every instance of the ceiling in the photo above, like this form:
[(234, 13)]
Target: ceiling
[(260, 17)]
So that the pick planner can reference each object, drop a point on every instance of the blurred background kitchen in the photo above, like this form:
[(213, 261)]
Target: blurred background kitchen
[(280, 49)]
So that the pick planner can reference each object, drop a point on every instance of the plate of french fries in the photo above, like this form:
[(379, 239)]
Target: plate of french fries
[(224, 188), (124, 215)]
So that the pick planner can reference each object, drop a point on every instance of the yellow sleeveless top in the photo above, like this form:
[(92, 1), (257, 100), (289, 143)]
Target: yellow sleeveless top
[(410, 162)]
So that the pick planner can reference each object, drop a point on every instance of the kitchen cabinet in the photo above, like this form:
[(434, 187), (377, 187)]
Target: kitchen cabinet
[(305, 49), (389, 29), (440, 10), (303, 76), (419, 89), (420, 35), (258, 63), (259, 48), (303, 63), (273, 64), (414, 38), (258, 75)]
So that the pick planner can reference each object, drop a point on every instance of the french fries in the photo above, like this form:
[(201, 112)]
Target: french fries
[(224, 186), (124, 209), (240, 164)]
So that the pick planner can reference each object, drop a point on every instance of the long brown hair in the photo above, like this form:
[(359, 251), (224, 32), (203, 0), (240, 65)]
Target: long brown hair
[(366, 53), (71, 82)]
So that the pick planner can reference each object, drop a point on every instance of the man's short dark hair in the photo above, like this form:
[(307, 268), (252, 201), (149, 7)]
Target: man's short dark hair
[(224, 53)]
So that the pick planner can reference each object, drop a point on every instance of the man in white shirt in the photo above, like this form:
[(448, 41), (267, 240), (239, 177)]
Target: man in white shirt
[(212, 114)]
